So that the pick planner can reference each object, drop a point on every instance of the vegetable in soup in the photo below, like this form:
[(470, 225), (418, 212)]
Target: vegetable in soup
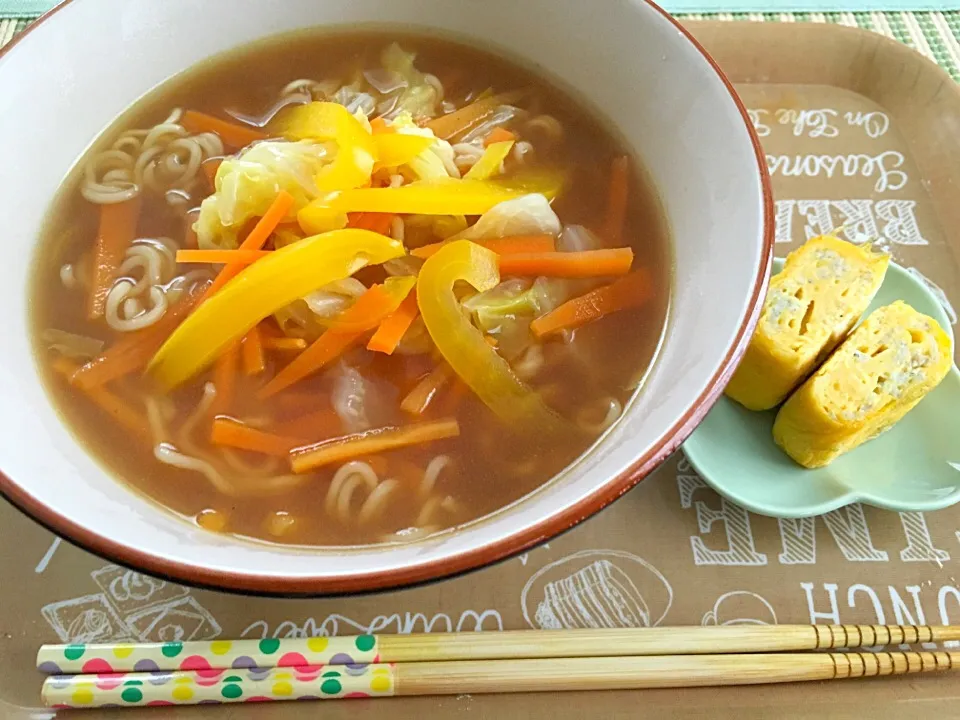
[(350, 288)]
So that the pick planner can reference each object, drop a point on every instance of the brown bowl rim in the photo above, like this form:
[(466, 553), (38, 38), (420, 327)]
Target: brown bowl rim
[(501, 548)]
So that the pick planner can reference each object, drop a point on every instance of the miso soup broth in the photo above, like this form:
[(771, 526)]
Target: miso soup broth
[(336, 289)]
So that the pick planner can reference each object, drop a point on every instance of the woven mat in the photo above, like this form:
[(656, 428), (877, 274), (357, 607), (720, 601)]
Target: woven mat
[(933, 34)]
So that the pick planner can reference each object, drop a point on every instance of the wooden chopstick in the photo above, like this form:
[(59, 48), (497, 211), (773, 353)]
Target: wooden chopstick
[(65, 659), (487, 676)]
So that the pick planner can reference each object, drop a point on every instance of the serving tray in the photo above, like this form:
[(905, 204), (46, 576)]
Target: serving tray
[(861, 132)]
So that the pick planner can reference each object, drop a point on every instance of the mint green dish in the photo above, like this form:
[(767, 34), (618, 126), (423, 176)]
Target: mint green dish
[(913, 466)]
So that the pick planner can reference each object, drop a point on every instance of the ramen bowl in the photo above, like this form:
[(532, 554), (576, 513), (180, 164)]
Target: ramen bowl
[(74, 72)]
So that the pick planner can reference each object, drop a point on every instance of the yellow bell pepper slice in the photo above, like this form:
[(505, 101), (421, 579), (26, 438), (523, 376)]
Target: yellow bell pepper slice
[(327, 121), (395, 149), (263, 288), (440, 197), (314, 220), (463, 346), (489, 163)]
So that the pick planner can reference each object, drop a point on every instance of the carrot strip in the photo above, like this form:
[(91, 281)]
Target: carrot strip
[(510, 245), (315, 424), (346, 331), (498, 135), (236, 136), (589, 263), (113, 405), (379, 126), (251, 350), (257, 237), (135, 350), (225, 371), (286, 344), (520, 244), (629, 291), (118, 227), (367, 312), (372, 221), (232, 433), (617, 202), (418, 399), (210, 167), (394, 326), (327, 348), (221, 257), (372, 442), (452, 124)]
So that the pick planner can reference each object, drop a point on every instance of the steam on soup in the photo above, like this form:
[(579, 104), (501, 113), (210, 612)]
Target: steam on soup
[(348, 289)]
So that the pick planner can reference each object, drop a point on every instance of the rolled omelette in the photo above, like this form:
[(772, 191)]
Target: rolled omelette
[(874, 378), (823, 289)]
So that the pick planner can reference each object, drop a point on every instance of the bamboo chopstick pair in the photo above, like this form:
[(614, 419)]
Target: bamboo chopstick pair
[(191, 673)]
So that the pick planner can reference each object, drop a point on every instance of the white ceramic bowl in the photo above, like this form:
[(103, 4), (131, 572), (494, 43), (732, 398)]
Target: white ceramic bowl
[(70, 75)]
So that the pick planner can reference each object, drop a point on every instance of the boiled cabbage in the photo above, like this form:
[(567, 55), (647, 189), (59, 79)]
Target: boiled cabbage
[(526, 215), (247, 184), (437, 161), (416, 96)]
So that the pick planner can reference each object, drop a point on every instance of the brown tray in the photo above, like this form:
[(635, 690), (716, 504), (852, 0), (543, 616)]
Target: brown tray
[(860, 130)]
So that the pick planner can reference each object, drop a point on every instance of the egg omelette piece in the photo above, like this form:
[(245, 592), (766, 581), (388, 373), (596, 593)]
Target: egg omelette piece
[(874, 378), (823, 289)]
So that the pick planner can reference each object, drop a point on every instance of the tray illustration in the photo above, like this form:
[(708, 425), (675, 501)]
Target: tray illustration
[(860, 132)]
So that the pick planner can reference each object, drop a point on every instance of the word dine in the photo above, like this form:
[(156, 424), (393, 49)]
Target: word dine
[(726, 535)]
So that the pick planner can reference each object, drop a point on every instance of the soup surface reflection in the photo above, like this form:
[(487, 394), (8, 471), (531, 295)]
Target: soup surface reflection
[(351, 288)]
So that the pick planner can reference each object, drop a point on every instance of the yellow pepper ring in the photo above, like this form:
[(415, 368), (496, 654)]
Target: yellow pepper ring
[(462, 345)]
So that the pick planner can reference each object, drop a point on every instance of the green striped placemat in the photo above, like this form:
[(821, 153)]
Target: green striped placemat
[(933, 34)]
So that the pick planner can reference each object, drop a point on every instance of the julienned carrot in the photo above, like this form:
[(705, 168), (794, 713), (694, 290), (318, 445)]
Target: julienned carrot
[(251, 352), (225, 370), (629, 291), (371, 442), (394, 326), (372, 221), (320, 423), (418, 400), (233, 433), (134, 351), (221, 257), (257, 237), (286, 344), (452, 124), (232, 134), (106, 400), (118, 228), (379, 126), (327, 348), (617, 200), (589, 263), (367, 312), (498, 135), (361, 317), (509, 245), (210, 167)]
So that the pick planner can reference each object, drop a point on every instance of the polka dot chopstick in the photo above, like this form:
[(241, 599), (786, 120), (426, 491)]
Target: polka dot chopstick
[(517, 661)]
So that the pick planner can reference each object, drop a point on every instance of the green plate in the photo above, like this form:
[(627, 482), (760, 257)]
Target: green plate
[(913, 466)]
